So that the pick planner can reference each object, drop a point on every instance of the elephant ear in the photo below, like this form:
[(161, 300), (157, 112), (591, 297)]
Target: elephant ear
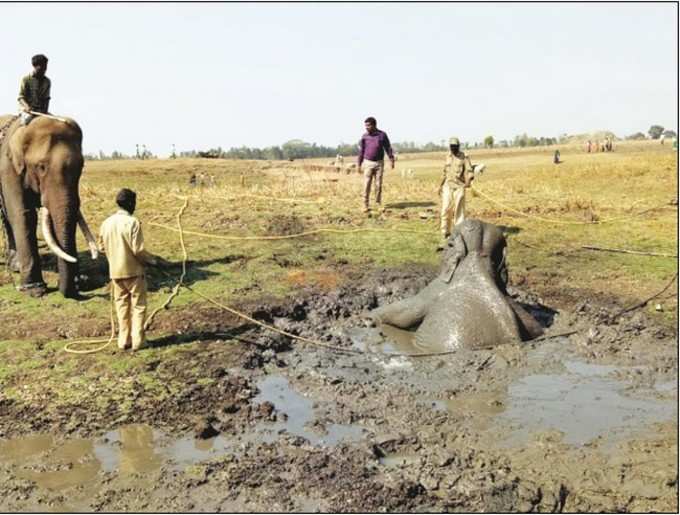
[(16, 151)]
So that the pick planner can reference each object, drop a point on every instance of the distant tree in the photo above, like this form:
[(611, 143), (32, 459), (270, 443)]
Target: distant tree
[(670, 134), (488, 142), (636, 136), (655, 131)]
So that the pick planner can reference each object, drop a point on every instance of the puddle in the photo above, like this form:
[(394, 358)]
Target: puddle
[(384, 339), (137, 450), (667, 387), (277, 390), (584, 404), (398, 459), (474, 404)]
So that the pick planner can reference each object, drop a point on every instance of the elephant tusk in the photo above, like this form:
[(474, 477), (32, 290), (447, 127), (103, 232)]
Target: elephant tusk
[(49, 237), (91, 242)]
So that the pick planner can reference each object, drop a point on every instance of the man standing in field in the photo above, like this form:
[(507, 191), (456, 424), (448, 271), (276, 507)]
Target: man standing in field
[(458, 175), (339, 163), (121, 239), (372, 147), (34, 91)]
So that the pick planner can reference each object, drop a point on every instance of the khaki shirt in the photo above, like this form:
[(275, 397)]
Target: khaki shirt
[(35, 92), (121, 239), (457, 167)]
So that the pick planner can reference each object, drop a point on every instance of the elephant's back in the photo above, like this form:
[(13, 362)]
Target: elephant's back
[(471, 314)]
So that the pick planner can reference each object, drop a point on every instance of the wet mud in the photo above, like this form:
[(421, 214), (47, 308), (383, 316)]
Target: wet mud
[(586, 422)]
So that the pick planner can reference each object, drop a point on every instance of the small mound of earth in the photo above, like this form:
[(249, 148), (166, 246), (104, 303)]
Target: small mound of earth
[(284, 225)]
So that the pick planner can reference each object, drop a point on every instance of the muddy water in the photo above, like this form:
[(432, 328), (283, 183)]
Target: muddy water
[(583, 403), (138, 450), (298, 413), (384, 339)]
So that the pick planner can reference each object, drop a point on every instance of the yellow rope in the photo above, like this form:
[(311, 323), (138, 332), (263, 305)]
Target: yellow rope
[(278, 199), (561, 222), (235, 312), (289, 236), (185, 258), (67, 347)]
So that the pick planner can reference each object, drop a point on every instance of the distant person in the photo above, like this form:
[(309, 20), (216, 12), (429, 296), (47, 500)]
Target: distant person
[(457, 176), (556, 157), (121, 239), (662, 138), (589, 146), (372, 148), (34, 91), (339, 162)]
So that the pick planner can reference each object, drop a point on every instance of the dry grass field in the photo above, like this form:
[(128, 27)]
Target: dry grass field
[(273, 198)]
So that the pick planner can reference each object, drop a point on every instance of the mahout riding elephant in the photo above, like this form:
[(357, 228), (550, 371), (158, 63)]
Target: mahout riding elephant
[(40, 168), (467, 304)]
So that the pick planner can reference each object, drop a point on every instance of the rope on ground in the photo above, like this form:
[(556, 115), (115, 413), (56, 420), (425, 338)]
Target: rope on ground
[(626, 251), (291, 236), (572, 250), (180, 281), (562, 222), (68, 347), (180, 284), (644, 302), (277, 199)]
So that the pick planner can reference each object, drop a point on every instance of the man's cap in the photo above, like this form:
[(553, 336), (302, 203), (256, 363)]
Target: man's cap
[(454, 141)]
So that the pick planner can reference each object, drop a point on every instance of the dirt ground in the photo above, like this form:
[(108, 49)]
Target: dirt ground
[(586, 422)]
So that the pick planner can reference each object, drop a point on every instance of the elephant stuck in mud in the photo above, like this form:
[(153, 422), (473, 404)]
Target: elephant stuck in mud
[(40, 169), (466, 305)]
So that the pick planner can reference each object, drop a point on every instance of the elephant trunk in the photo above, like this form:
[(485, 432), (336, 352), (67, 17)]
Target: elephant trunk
[(89, 237), (64, 219), (50, 239)]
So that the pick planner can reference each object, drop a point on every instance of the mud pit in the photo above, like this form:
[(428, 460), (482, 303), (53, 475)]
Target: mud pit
[(579, 423)]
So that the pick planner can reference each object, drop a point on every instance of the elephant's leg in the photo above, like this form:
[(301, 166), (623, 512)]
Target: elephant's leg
[(23, 223), (404, 314), (528, 326), (409, 312), (10, 250)]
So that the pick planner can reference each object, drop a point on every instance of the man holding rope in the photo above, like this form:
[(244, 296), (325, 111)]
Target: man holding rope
[(121, 239), (457, 176)]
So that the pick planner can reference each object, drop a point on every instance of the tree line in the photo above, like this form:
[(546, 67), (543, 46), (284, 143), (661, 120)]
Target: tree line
[(298, 149)]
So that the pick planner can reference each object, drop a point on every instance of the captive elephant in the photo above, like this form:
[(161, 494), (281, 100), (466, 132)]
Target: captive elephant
[(466, 305), (40, 168)]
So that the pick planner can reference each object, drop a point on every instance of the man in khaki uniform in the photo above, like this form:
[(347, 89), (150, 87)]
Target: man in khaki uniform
[(457, 176), (121, 239)]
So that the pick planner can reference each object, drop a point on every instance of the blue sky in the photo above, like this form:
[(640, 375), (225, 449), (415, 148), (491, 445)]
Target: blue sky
[(204, 75)]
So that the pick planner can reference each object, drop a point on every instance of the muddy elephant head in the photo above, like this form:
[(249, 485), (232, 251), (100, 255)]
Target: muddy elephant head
[(40, 170), (467, 304)]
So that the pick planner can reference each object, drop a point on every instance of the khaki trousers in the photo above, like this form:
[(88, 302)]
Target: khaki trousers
[(129, 297), (453, 207), (373, 169)]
